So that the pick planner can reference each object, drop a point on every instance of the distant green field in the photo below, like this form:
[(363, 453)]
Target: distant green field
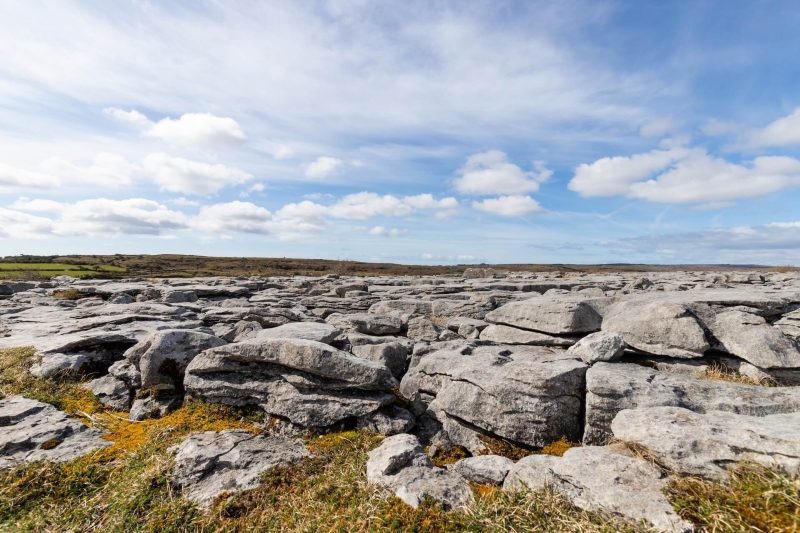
[(48, 270)]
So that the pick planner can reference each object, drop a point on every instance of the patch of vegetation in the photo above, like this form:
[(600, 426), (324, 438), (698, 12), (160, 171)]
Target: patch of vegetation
[(46, 270), (718, 372), (69, 294), (754, 498), (443, 457), (65, 394), (559, 447)]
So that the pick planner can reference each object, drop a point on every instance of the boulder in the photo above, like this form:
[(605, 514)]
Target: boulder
[(483, 469), (706, 444), (602, 479), (612, 387), (657, 327), (390, 420), (112, 392), (749, 337), (401, 465), (599, 346), (310, 383), (211, 463), (393, 355), (532, 397), (556, 315), (34, 431), (163, 356)]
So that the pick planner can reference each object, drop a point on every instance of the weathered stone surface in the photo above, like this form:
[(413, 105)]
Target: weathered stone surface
[(310, 383), (600, 346), (369, 323), (660, 328), (112, 392), (388, 421), (554, 315), (612, 387), (605, 479), (402, 307), (484, 469), (532, 397), (789, 324), (210, 464), (312, 331), (34, 431), (155, 406), (162, 357), (750, 337), (509, 335), (401, 465), (393, 355), (707, 444)]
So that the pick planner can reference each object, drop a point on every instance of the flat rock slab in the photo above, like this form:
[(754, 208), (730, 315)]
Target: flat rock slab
[(510, 335), (604, 479), (212, 463), (612, 387), (546, 314), (34, 431), (312, 331), (707, 444)]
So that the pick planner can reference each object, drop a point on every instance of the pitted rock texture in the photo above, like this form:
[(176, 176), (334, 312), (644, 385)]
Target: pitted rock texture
[(211, 463), (34, 431)]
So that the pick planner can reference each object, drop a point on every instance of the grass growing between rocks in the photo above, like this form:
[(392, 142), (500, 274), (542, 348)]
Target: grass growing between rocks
[(755, 498), (717, 372)]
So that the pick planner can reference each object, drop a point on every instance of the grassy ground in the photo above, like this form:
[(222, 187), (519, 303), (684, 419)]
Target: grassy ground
[(170, 265), (126, 487)]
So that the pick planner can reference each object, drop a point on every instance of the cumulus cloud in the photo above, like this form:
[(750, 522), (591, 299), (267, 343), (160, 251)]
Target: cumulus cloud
[(105, 170), (364, 205), (784, 131), (323, 167), (488, 173), (189, 128), (245, 217), (508, 206), (17, 225), (382, 231), (685, 175), (13, 178), (37, 205), (179, 175), (134, 216)]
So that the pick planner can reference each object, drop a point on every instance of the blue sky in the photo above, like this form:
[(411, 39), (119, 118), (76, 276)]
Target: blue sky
[(414, 132)]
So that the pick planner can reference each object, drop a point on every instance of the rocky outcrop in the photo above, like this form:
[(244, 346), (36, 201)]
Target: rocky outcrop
[(549, 314), (605, 479), (707, 444), (533, 396), (310, 383), (600, 346), (483, 469), (34, 431), (612, 387), (400, 464), (211, 463)]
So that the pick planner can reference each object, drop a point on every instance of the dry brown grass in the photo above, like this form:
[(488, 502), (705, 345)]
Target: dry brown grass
[(755, 498), (718, 372), (69, 294)]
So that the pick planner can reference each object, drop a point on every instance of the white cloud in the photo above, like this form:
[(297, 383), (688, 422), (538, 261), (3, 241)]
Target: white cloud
[(491, 172), (105, 170), (657, 127), (180, 175), (784, 131), (382, 231), (37, 205), (13, 178), (508, 206), (132, 117), (611, 176), (102, 216), (305, 210), (323, 167), (16, 225), (189, 128), (685, 175), (702, 178), (185, 202), (427, 201), (364, 205), (283, 151), (245, 217)]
